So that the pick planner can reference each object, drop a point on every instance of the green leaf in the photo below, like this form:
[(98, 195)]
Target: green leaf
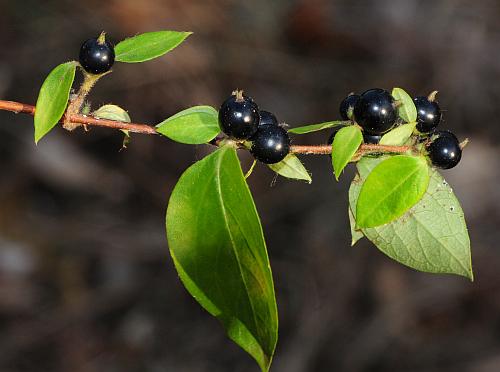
[(431, 237), (356, 234), (149, 45), (317, 127), (393, 187), (291, 167), (345, 145), (112, 112), (126, 139), (399, 135), (195, 125), (218, 248), (53, 98), (406, 109)]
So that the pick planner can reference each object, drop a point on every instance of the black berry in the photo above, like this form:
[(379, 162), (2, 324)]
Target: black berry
[(239, 116), (347, 106), (428, 114), (371, 138), (270, 144), (375, 112), (97, 55), (444, 151), (267, 118)]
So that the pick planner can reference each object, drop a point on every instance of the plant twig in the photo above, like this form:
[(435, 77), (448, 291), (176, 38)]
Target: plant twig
[(24, 108), (89, 120), (364, 148)]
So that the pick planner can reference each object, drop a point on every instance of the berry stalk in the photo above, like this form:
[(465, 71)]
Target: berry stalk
[(76, 103)]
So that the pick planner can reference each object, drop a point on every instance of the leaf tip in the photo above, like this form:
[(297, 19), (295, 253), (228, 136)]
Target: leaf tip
[(38, 136), (469, 274)]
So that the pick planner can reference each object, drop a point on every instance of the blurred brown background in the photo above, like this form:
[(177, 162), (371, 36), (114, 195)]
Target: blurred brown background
[(86, 282)]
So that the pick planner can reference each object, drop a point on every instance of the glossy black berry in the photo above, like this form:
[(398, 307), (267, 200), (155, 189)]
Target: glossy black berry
[(97, 56), (428, 114), (375, 111), (270, 144), (267, 118), (444, 151), (371, 138), (239, 116), (347, 105)]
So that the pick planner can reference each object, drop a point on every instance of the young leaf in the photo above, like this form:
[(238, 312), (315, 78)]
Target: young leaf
[(356, 234), (112, 112), (317, 127), (431, 237), (291, 167), (195, 125), (393, 187), (53, 98), (399, 135), (345, 145), (406, 109), (126, 139), (147, 46), (217, 245)]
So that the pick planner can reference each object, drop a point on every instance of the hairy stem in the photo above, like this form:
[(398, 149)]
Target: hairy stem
[(76, 103), (364, 149), (24, 108)]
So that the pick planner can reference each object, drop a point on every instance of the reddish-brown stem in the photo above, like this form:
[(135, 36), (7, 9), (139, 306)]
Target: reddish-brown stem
[(17, 107), (88, 120), (364, 148), (82, 119)]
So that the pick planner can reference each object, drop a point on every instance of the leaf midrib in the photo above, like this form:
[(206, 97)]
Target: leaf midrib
[(233, 245)]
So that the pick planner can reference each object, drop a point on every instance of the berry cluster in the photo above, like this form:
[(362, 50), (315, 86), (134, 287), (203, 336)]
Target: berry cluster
[(241, 119), (375, 111), (97, 55)]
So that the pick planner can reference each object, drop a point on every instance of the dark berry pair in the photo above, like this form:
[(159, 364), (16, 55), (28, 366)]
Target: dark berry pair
[(97, 55), (444, 149), (240, 118)]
